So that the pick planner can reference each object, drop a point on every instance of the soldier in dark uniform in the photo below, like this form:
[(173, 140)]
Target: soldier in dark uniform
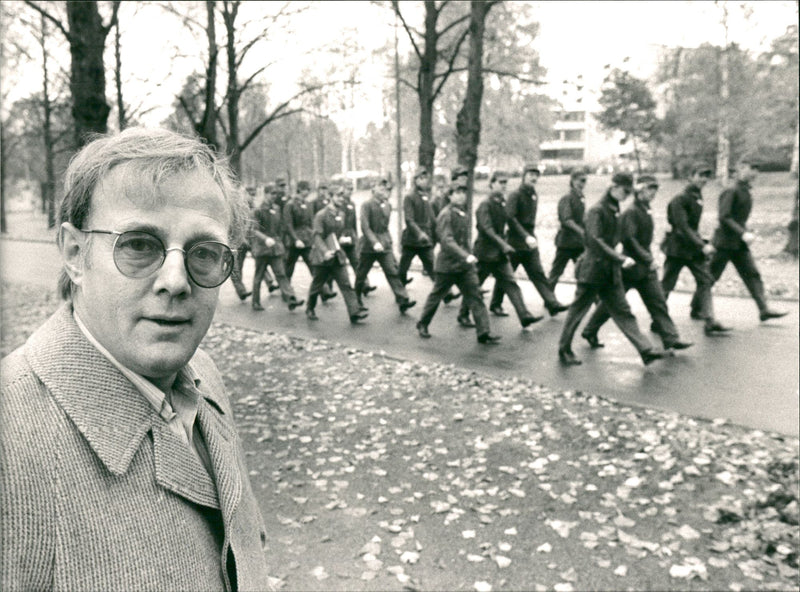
[(266, 244), (419, 235), (459, 178), (732, 239), (492, 249), (241, 254), (569, 240), (636, 230), (376, 245), (439, 195), (521, 207), (684, 247), (328, 261), (298, 220), (323, 197), (599, 275), (456, 265)]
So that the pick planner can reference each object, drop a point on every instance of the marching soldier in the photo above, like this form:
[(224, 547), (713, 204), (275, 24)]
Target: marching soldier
[(492, 250), (376, 245), (569, 240), (328, 261), (521, 207), (241, 254), (298, 219), (455, 264), (419, 235), (266, 243), (323, 197), (599, 274), (636, 225), (732, 239), (684, 247), (349, 237)]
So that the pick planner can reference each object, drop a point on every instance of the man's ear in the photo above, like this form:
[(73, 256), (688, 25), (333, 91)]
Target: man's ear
[(73, 247)]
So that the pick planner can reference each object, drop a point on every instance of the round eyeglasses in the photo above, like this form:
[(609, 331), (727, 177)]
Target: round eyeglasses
[(138, 254)]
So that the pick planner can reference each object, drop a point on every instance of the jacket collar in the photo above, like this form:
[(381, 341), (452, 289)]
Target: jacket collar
[(105, 407), (609, 202), (575, 193), (527, 190)]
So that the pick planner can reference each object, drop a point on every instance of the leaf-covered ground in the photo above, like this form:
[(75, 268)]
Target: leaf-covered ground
[(376, 473)]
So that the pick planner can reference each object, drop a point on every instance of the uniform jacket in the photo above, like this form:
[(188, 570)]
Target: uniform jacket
[(490, 220), (521, 207), (350, 223), (571, 208), (439, 203), (683, 241), (600, 263), (319, 203), (267, 222), (99, 494), (420, 219), (735, 205), (636, 233), (298, 218), (451, 228), (375, 215), (328, 226)]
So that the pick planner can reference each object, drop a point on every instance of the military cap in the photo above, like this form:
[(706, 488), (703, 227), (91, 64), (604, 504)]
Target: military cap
[(280, 181), (646, 181), (623, 180), (421, 171), (303, 185), (531, 168), (498, 176), (457, 171), (577, 175), (702, 168)]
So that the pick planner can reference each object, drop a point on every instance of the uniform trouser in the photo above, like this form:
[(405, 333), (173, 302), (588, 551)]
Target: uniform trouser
[(532, 264), (276, 263), (321, 274), (563, 256), (389, 266), (352, 255), (467, 282), (652, 295), (407, 255), (701, 301), (504, 277), (292, 255), (745, 265), (236, 274), (613, 296)]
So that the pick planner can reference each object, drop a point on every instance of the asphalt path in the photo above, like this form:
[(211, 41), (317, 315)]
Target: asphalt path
[(749, 378)]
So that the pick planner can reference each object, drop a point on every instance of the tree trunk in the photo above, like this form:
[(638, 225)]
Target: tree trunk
[(3, 223), (234, 152), (49, 158), (87, 76), (208, 126), (122, 117), (425, 80), (636, 156), (468, 120), (723, 140)]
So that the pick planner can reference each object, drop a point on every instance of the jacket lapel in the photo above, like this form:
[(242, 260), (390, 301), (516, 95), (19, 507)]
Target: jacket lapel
[(220, 438)]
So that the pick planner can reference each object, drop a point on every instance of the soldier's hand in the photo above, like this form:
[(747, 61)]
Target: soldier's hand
[(472, 259), (508, 250), (423, 237), (654, 265), (748, 237), (329, 255), (378, 247), (628, 263), (299, 244), (345, 240), (270, 241), (708, 249), (531, 242)]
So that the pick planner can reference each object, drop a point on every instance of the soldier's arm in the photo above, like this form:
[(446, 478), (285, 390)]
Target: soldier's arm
[(444, 230), (320, 232), (680, 224), (289, 220), (511, 210), (484, 223), (594, 236), (567, 217), (726, 220), (408, 214), (629, 230), (366, 229)]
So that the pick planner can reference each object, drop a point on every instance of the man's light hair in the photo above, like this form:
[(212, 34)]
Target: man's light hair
[(150, 156)]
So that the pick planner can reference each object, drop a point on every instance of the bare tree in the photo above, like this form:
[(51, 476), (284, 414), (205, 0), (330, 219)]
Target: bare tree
[(86, 35)]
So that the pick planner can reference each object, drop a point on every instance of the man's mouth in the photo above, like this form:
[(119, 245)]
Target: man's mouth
[(169, 321)]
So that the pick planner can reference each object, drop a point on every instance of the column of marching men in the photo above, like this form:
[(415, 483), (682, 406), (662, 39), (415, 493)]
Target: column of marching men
[(610, 248)]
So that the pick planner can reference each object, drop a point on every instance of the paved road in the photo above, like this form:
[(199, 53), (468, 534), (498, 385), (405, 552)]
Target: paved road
[(749, 378)]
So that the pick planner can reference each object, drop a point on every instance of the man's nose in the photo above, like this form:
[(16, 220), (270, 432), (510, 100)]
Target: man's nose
[(172, 277)]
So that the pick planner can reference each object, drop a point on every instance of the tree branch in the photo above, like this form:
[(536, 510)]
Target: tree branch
[(188, 111), (455, 23), (409, 85), (396, 6), (450, 62), (49, 17), (114, 16)]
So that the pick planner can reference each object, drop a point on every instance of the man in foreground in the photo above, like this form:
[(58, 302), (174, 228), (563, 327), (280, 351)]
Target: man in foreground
[(599, 275), (120, 467)]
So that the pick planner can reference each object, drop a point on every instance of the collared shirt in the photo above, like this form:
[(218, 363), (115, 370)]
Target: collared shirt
[(179, 410)]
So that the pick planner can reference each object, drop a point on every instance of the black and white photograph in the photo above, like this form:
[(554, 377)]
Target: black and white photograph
[(315, 295)]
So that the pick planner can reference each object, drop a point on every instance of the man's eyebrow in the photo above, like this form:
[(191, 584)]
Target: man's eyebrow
[(195, 237)]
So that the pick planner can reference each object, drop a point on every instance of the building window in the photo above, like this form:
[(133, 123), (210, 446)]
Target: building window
[(574, 135), (574, 116)]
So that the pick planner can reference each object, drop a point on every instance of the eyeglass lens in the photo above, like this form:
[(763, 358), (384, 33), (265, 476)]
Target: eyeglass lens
[(138, 254)]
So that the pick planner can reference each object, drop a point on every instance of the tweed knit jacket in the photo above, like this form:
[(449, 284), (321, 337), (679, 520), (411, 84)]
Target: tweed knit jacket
[(96, 492)]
